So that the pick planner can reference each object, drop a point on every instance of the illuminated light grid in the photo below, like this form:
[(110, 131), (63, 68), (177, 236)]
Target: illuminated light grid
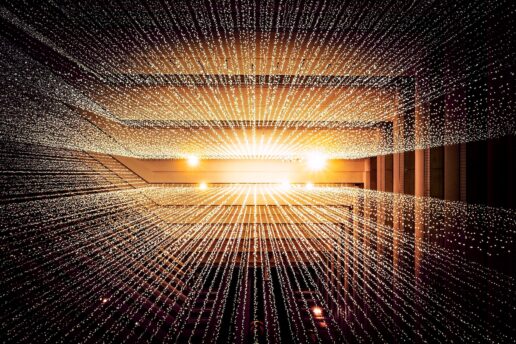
[(185, 60), (321, 227), (100, 240)]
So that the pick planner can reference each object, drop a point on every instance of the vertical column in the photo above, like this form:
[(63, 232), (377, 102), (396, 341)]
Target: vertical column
[(397, 187), (367, 173), (452, 172), (419, 168), (398, 163), (372, 174), (397, 225), (419, 210), (380, 173)]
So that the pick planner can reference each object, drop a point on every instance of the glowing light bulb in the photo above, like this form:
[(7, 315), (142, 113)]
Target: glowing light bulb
[(317, 311), (316, 161), (193, 160), (309, 186), (203, 186)]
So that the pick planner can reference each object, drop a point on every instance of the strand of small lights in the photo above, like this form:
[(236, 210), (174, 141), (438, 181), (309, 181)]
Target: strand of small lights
[(206, 49), (311, 216), (96, 254)]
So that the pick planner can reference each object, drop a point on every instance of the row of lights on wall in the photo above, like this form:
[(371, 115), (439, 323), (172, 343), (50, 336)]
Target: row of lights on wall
[(284, 185), (315, 162)]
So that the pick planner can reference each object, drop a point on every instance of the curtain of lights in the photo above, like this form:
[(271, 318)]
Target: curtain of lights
[(91, 252)]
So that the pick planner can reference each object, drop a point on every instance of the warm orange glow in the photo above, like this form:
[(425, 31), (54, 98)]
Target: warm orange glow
[(317, 311), (255, 171), (316, 161), (203, 186), (193, 160)]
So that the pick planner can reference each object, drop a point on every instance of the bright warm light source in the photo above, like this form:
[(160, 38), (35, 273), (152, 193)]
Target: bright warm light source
[(317, 311), (309, 186), (316, 161), (193, 160), (203, 186), (285, 185)]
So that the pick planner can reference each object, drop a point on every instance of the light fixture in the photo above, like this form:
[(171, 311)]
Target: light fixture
[(193, 160), (316, 161), (309, 186), (203, 186), (317, 311)]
